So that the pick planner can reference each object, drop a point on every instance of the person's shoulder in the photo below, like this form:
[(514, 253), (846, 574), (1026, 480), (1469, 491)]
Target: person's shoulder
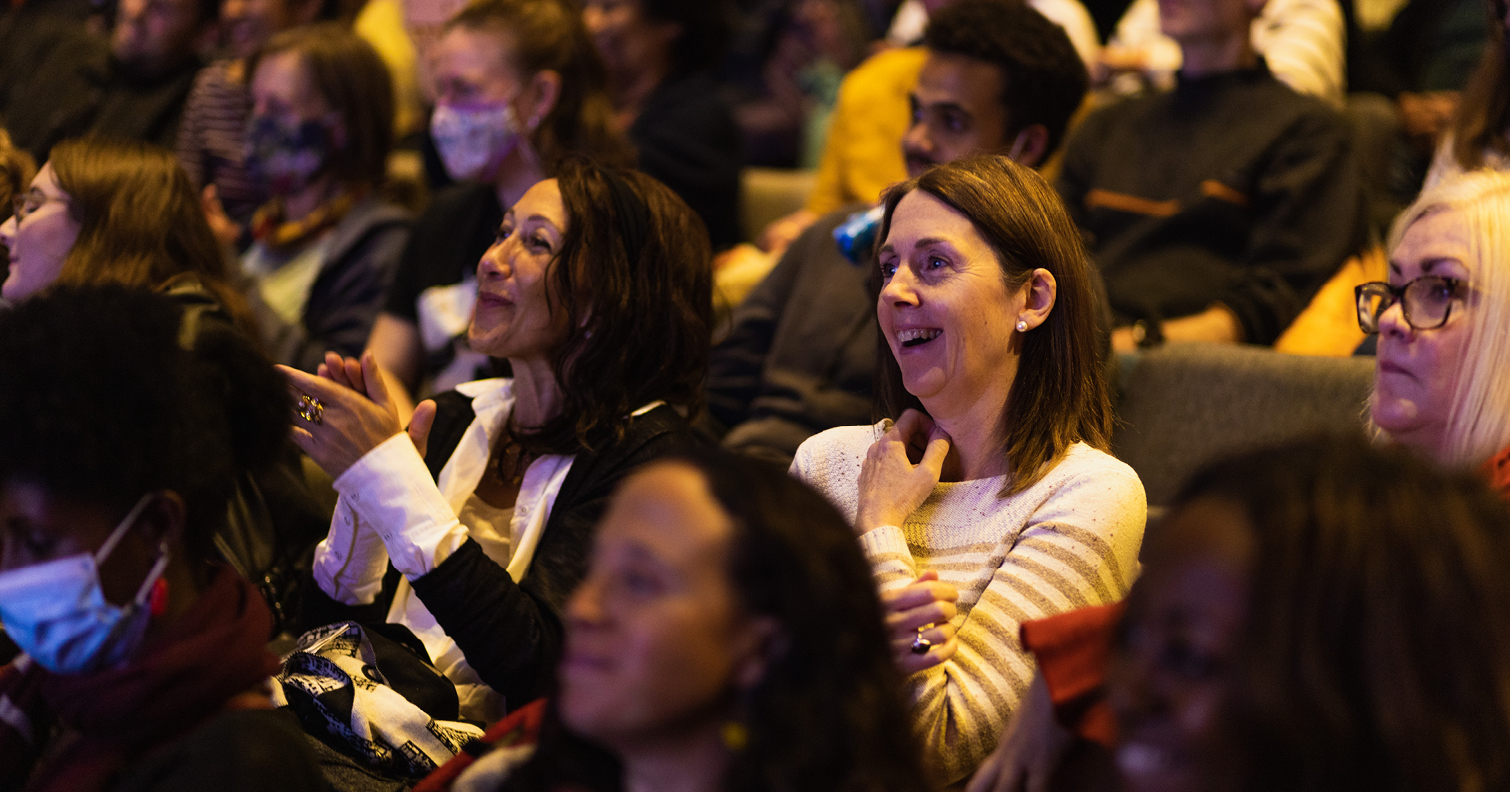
[(1082, 463), (903, 62), (841, 444)]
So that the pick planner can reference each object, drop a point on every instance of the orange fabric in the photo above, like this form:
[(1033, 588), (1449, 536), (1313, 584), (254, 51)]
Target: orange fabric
[(1073, 650), (1329, 324), (1132, 204), (521, 727)]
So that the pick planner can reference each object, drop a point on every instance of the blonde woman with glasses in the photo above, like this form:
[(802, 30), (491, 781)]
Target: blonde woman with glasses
[(1442, 382)]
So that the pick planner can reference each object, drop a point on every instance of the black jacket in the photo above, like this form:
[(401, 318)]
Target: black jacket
[(512, 633)]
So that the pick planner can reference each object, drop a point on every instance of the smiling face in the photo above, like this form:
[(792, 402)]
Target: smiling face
[(514, 317), (956, 112), (1170, 680), (656, 642), (945, 308), (39, 244), (1417, 371)]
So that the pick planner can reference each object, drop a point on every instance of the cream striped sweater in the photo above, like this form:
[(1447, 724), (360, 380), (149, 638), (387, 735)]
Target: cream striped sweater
[(1067, 542)]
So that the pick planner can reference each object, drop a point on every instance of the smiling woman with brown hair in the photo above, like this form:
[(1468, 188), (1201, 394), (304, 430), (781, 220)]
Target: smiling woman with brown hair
[(995, 475)]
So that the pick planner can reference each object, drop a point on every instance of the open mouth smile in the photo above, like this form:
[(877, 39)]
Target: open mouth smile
[(914, 338)]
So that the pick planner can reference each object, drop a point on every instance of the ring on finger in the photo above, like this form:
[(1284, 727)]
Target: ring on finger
[(311, 409), (921, 645)]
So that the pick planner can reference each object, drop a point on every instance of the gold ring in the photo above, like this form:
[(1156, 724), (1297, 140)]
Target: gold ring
[(310, 409)]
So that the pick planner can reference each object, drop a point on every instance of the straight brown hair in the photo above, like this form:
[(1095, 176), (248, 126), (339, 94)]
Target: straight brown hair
[(351, 76), (140, 221), (1059, 396), (548, 35)]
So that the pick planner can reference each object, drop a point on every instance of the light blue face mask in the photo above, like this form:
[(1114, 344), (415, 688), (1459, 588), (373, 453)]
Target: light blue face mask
[(57, 612)]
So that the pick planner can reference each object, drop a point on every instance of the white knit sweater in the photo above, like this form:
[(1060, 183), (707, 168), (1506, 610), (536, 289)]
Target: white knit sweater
[(1067, 542)]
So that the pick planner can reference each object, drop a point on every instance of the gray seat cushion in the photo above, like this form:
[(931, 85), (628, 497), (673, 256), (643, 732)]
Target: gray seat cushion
[(1185, 405)]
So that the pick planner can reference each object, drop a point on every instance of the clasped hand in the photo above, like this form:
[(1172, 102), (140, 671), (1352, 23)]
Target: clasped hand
[(356, 413)]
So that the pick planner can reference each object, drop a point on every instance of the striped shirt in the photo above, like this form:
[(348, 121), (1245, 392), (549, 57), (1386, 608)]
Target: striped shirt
[(212, 140), (1067, 542)]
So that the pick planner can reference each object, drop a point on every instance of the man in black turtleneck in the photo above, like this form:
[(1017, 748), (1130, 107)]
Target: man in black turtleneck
[(1215, 211)]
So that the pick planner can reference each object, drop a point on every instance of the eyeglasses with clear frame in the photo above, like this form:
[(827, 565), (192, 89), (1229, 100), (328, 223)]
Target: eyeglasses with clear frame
[(1426, 301)]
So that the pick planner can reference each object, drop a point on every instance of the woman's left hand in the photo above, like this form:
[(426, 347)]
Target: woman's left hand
[(355, 414), (921, 612), (891, 487)]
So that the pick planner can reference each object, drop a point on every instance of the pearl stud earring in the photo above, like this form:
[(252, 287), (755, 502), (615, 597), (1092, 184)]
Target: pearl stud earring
[(1022, 326)]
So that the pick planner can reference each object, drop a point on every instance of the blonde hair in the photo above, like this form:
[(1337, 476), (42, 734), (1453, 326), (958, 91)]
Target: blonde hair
[(1478, 424)]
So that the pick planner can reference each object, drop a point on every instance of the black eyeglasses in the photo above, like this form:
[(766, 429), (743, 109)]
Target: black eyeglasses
[(1426, 302)]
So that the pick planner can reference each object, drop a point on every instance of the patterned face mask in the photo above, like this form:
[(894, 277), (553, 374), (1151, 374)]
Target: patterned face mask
[(286, 153), (474, 139)]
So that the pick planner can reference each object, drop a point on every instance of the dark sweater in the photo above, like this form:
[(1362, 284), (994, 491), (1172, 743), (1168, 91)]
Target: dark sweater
[(62, 83), (1232, 188), (800, 355), (686, 137), (511, 634)]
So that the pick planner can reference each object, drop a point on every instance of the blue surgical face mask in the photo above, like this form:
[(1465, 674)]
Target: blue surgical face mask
[(473, 140), (57, 612)]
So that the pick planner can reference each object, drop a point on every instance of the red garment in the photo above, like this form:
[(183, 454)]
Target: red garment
[(1073, 650), (201, 665), (521, 727)]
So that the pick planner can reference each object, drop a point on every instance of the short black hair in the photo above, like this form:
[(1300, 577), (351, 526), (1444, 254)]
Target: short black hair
[(101, 404), (1045, 79)]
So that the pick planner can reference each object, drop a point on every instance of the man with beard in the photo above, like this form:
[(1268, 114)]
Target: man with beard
[(64, 82)]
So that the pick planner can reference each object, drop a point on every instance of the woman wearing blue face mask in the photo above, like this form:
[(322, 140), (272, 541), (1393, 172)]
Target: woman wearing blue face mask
[(145, 664), (518, 87), (326, 243)]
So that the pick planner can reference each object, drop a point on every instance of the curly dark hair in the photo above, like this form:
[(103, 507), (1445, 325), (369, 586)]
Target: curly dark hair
[(1045, 78), (829, 714), (101, 404), (1375, 653), (639, 320)]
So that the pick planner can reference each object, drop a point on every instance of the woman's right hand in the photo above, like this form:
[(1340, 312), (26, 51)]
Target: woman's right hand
[(925, 603)]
